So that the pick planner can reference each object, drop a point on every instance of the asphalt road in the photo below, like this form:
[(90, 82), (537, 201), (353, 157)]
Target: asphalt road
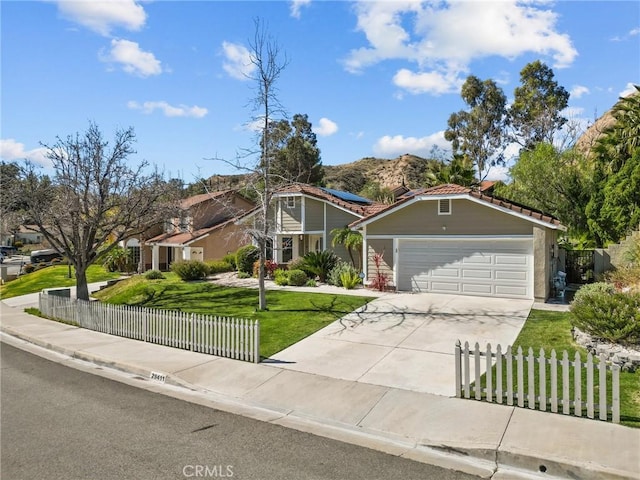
[(62, 423)]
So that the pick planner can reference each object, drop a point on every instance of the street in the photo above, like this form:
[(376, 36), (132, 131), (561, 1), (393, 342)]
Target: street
[(61, 423)]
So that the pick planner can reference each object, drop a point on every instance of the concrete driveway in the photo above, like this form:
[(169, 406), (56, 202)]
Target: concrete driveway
[(406, 340)]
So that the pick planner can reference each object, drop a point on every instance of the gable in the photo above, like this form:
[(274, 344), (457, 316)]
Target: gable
[(464, 217)]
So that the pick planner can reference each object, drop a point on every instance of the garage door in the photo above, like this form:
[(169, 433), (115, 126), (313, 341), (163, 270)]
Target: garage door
[(491, 267)]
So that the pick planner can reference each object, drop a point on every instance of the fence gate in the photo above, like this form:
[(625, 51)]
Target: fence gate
[(579, 266)]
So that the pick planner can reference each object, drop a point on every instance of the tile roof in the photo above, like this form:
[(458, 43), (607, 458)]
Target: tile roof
[(184, 238), (452, 189), (203, 197), (317, 192)]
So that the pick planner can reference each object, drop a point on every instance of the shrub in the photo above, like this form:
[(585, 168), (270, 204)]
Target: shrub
[(280, 277), (118, 260), (246, 257), (190, 270), (341, 267), (269, 268), (219, 266), (28, 268), (320, 263), (311, 283), (154, 275), (612, 316), (297, 264), (242, 275), (593, 288), (625, 278), (230, 258), (349, 279), (297, 278), (18, 244)]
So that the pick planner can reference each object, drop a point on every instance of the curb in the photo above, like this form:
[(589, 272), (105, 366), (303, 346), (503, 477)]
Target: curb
[(495, 464)]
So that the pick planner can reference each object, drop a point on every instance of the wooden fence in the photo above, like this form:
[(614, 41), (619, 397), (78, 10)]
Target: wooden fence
[(225, 337), (559, 385)]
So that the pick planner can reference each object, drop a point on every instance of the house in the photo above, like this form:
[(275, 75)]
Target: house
[(28, 234), (454, 239), (204, 230), (302, 217)]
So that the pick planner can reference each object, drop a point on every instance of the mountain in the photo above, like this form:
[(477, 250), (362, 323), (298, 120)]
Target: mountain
[(352, 177)]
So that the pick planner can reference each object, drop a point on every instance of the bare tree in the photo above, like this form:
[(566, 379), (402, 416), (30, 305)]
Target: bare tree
[(94, 199), (266, 58)]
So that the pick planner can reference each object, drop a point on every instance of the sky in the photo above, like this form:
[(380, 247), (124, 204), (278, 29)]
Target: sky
[(376, 79)]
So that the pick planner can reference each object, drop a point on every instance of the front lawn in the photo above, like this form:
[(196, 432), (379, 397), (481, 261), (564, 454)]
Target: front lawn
[(552, 330), (51, 277), (291, 315)]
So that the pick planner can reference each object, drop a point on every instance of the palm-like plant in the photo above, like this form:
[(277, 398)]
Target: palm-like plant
[(351, 240)]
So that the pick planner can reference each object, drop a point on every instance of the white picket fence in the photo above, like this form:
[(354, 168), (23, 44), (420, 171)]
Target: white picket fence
[(567, 393), (222, 336)]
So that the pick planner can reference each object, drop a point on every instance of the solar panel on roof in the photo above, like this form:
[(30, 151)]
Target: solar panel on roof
[(346, 196)]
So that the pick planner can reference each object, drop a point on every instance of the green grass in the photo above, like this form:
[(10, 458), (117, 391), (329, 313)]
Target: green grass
[(50, 277), (291, 315), (552, 330)]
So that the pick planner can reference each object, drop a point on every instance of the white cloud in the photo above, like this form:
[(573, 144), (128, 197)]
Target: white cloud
[(132, 59), (11, 150), (391, 147), (628, 90), (634, 32), (103, 16), (296, 7), (238, 61), (443, 38), (325, 127), (578, 91), (435, 83), (168, 110)]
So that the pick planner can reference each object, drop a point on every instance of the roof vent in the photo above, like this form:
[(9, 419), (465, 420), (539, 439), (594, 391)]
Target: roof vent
[(444, 206)]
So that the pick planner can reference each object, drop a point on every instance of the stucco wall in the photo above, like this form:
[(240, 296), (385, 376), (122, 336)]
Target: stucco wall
[(385, 247), (467, 218)]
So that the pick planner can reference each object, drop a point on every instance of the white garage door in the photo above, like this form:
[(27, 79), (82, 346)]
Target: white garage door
[(496, 268)]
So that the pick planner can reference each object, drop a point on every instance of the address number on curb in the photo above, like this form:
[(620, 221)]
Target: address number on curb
[(158, 377)]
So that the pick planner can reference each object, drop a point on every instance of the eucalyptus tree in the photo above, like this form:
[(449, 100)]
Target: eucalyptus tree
[(479, 132), (535, 115)]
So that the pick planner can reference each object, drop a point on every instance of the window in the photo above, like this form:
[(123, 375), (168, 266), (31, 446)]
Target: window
[(287, 249), (290, 202), (444, 206), (185, 224)]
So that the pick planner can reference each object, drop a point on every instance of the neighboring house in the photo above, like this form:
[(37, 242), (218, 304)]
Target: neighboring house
[(452, 239), (28, 234), (302, 218), (205, 230)]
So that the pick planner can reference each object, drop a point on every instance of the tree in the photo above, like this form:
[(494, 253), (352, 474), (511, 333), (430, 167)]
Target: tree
[(459, 171), (351, 240), (556, 182), (535, 115), (479, 132), (265, 57), (10, 204), (298, 159), (614, 209), (93, 199)]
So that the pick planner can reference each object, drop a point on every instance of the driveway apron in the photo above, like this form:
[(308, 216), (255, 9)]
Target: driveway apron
[(406, 340)]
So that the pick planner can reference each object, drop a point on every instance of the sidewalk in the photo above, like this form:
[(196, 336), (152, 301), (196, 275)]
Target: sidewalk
[(487, 440)]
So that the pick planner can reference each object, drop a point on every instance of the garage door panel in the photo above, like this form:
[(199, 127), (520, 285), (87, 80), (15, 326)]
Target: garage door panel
[(474, 267), (511, 260), (445, 287), (477, 273), (511, 275), (477, 259), (511, 291), (476, 289)]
